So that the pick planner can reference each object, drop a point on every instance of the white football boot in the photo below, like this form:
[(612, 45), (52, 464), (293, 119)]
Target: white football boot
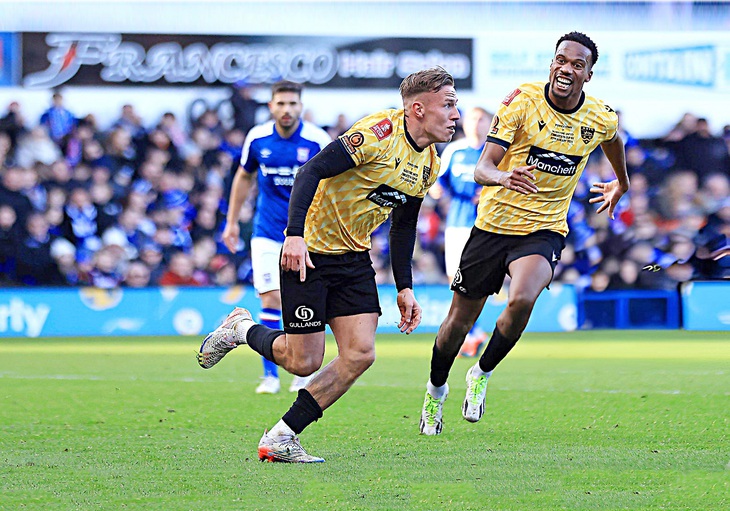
[(476, 396), (223, 339), (432, 421), (285, 449)]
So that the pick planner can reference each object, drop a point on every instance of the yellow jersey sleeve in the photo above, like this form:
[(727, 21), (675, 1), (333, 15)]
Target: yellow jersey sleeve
[(369, 138), (508, 119)]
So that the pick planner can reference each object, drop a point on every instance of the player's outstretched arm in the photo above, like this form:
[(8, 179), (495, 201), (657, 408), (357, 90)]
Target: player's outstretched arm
[(410, 311), (239, 192), (520, 179), (611, 192)]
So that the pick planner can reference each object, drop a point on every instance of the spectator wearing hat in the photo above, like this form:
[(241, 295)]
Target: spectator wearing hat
[(64, 253)]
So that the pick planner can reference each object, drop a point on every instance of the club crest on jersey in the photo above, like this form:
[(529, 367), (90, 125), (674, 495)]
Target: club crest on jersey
[(383, 129), (586, 133), (302, 154), (511, 96)]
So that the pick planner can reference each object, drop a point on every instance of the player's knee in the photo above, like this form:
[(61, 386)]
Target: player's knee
[(360, 360), (305, 366), (521, 303)]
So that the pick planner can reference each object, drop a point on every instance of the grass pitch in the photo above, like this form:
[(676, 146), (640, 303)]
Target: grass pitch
[(579, 421)]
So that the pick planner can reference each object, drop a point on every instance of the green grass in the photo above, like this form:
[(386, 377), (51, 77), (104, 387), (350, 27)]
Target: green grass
[(580, 421)]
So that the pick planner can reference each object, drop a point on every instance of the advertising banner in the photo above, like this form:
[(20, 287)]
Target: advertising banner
[(636, 66), (58, 58), (706, 306), (196, 311), (8, 53)]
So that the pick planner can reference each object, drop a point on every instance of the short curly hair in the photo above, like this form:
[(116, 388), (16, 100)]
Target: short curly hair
[(581, 38)]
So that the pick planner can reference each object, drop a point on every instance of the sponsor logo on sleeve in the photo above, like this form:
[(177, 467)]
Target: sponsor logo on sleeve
[(553, 162), (352, 141), (511, 96), (383, 129), (495, 125)]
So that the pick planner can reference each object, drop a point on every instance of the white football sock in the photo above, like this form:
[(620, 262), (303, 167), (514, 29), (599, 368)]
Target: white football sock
[(281, 430), (476, 371), (437, 392), (241, 329)]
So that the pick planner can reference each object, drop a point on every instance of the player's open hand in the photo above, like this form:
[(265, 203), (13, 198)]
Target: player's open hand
[(230, 236), (610, 193), (295, 256), (410, 311), (520, 180)]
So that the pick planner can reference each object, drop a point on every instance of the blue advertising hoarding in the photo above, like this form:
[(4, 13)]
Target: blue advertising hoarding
[(706, 305), (195, 311), (8, 60)]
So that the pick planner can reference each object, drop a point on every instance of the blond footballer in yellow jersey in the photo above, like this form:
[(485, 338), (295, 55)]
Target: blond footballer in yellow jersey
[(388, 167), (557, 142), (540, 139), (381, 167)]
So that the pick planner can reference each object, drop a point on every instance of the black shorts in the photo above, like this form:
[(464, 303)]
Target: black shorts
[(339, 285), (486, 258)]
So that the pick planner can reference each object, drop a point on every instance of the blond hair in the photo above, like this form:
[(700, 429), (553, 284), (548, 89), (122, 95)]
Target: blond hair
[(427, 80)]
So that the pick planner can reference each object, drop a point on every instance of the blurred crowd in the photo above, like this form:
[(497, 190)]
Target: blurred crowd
[(142, 204)]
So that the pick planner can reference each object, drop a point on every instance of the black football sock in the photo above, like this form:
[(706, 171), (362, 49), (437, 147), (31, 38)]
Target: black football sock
[(303, 412), (440, 366), (261, 339), (497, 349)]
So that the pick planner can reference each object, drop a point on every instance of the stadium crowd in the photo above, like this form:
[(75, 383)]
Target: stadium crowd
[(138, 204)]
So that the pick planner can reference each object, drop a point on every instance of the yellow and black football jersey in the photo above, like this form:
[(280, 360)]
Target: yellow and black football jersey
[(389, 170), (536, 132)]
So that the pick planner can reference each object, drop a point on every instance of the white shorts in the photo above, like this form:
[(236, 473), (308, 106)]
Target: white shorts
[(265, 258), (454, 240)]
